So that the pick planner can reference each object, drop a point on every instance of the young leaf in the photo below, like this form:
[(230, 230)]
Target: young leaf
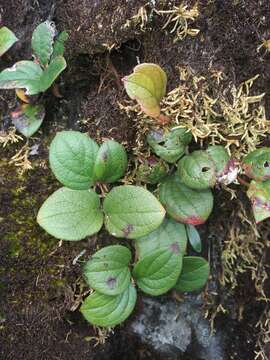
[(59, 44), (197, 170), (257, 164), (108, 311), (147, 85), (28, 118), (24, 74), (170, 232), (220, 158), (152, 170), (51, 73), (7, 39), (132, 212), (194, 238), (42, 42), (71, 214), (107, 271), (72, 158), (194, 275), (184, 204), (111, 162), (158, 271), (259, 194), (169, 145)]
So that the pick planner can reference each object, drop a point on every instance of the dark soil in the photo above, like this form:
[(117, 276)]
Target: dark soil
[(40, 288)]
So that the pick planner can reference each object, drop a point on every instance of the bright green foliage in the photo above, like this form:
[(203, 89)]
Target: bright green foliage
[(71, 214), (147, 85), (158, 271), (259, 194), (107, 271), (29, 75), (194, 275), (42, 42), (72, 157), (111, 162), (152, 170), (108, 311), (194, 238), (257, 164), (169, 145), (7, 39), (28, 118), (184, 204), (132, 212), (197, 170), (59, 44), (168, 233)]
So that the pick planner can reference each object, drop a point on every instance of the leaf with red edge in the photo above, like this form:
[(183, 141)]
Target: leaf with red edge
[(259, 194)]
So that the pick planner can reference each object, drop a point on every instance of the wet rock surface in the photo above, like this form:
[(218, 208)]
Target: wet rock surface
[(178, 328)]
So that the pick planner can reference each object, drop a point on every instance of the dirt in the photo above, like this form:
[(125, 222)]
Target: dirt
[(40, 288)]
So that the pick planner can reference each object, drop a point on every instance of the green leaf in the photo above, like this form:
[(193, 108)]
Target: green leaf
[(170, 232), (28, 75), (226, 168), (158, 271), (108, 311), (28, 118), (72, 158), (51, 73), (107, 271), (24, 74), (147, 85), (197, 170), (111, 162), (257, 164), (71, 214), (194, 238), (7, 39), (42, 41), (59, 44), (152, 170), (259, 194), (185, 204), (132, 212), (169, 145), (194, 275)]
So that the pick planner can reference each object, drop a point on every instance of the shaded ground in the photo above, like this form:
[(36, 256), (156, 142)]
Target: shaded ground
[(40, 288)]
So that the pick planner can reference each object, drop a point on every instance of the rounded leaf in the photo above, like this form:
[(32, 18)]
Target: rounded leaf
[(107, 271), (51, 73), (152, 170), (169, 145), (147, 85), (71, 214), (158, 271), (220, 158), (132, 212), (108, 311), (185, 204), (59, 44), (42, 41), (194, 238), (194, 275), (28, 118), (197, 170), (259, 194), (257, 164), (111, 162), (7, 39), (169, 232), (72, 158)]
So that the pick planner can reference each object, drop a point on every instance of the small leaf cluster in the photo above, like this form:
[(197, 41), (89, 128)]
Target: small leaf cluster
[(160, 266), (256, 166), (30, 78), (75, 210)]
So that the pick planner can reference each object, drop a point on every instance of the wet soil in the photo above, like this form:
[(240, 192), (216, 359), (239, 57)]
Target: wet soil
[(40, 286)]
